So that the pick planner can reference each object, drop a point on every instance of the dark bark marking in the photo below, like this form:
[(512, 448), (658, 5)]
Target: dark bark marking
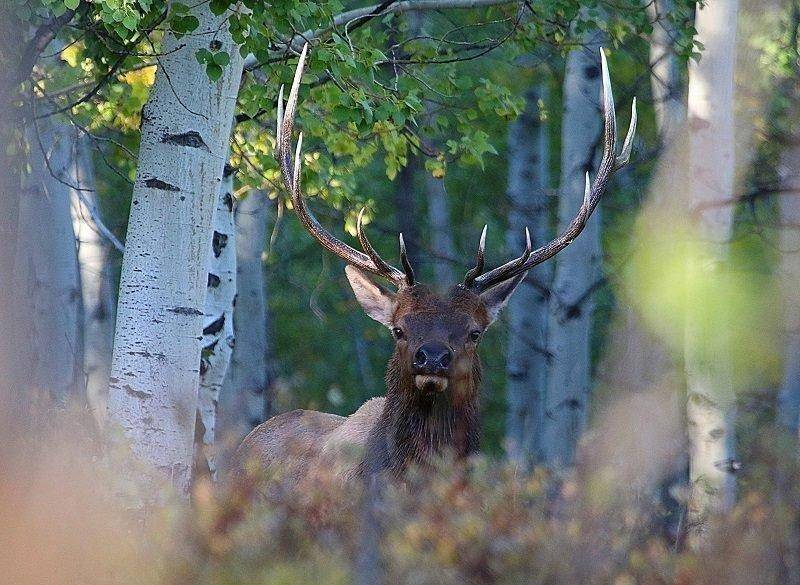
[(192, 139), (716, 433), (729, 465), (205, 357), (228, 170), (154, 183), (213, 280), (215, 326), (185, 311), (147, 354), (573, 312), (218, 243), (134, 392), (227, 200)]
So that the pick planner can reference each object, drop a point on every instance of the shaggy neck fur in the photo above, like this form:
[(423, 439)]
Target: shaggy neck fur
[(415, 425)]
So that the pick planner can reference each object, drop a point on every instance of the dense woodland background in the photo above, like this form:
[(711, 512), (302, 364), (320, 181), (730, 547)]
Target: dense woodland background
[(641, 394)]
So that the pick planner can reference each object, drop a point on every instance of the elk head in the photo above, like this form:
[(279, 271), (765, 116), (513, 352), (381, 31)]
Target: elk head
[(437, 335)]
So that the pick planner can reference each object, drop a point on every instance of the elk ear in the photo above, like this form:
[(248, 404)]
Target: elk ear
[(376, 301), (496, 297)]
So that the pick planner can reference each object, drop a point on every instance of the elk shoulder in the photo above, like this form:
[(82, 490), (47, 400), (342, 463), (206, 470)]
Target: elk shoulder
[(293, 445)]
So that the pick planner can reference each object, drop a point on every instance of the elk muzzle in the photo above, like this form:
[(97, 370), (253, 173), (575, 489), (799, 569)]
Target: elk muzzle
[(431, 366)]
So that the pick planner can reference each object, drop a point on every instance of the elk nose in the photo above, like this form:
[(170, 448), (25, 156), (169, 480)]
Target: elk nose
[(433, 358)]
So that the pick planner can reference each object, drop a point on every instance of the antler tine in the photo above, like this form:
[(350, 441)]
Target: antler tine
[(279, 125), (473, 273), (609, 164), (369, 260), (297, 165), (409, 270), (609, 110), (387, 270), (526, 254), (627, 146)]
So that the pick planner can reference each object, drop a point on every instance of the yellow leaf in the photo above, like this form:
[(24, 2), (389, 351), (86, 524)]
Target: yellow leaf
[(70, 54), (144, 76)]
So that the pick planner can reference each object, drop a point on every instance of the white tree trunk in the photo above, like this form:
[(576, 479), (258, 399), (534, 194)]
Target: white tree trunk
[(710, 395), (94, 253), (665, 79), (577, 267), (441, 230), (46, 267), (186, 126), (245, 400), (789, 271), (526, 367), (218, 333)]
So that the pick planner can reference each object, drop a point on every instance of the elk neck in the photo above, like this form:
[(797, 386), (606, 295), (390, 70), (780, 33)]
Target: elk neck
[(415, 425)]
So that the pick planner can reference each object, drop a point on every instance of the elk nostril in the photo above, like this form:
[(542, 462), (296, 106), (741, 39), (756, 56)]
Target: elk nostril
[(444, 360), (420, 357)]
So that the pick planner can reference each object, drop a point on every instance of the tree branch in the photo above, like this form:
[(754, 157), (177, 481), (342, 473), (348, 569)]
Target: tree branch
[(41, 38), (90, 94), (369, 12)]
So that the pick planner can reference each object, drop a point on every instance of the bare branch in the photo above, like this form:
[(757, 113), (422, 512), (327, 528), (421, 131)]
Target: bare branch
[(97, 221), (41, 38)]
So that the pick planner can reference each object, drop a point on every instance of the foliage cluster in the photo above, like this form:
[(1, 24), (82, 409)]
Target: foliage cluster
[(486, 522)]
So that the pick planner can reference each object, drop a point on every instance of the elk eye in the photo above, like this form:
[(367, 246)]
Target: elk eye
[(475, 335), (397, 332)]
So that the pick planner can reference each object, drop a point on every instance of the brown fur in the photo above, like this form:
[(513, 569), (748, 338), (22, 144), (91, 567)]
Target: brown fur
[(409, 424), (296, 442)]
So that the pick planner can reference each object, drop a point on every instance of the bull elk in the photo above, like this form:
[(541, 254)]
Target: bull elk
[(434, 374)]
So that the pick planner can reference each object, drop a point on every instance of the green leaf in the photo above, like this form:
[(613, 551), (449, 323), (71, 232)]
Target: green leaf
[(219, 6), (130, 22), (184, 24), (222, 58), (203, 56), (72, 4), (367, 111), (213, 71)]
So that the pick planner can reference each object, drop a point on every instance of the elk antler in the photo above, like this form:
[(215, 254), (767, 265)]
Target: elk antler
[(369, 260), (610, 163)]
